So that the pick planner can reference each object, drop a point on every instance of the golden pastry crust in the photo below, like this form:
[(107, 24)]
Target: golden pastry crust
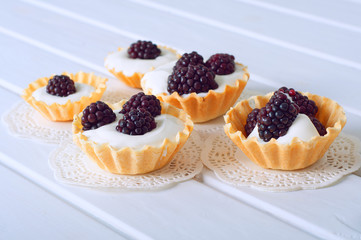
[(134, 80), (65, 112), (296, 155), (128, 160), (214, 104)]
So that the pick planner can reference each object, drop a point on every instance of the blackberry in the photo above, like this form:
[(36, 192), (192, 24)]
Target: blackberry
[(318, 125), (306, 105), (276, 117), (60, 85), (221, 63), (96, 115), (136, 122), (192, 58), (251, 121), (140, 100), (143, 50), (194, 78)]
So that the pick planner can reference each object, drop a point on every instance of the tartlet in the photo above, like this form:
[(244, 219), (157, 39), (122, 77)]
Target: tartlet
[(132, 77), (296, 155), (65, 112), (211, 105), (128, 160)]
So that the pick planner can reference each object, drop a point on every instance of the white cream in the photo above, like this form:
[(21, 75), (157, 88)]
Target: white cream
[(157, 80), (302, 128), (120, 61), (167, 127), (82, 89)]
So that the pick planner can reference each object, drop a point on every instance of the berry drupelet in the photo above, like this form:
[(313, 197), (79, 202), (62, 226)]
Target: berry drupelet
[(194, 78), (192, 58), (143, 50), (221, 63), (251, 121), (306, 105), (60, 85), (276, 117), (318, 125), (140, 100), (136, 122), (96, 115)]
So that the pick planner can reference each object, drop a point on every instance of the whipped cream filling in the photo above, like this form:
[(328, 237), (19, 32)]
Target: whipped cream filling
[(82, 89), (167, 127), (157, 80), (120, 61), (302, 128)]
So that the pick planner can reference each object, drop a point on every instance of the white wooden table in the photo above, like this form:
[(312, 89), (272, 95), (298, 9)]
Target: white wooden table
[(309, 45)]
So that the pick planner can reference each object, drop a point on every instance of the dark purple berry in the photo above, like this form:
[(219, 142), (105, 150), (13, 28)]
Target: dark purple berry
[(276, 117), (192, 58), (60, 85), (143, 50), (318, 125), (136, 122), (96, 115), (140, 100), (251, 121), (194, 78), (221, 63), (306, 105)]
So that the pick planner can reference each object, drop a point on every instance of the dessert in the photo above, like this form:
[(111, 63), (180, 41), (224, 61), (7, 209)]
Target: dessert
[(275, 133), (135, 142), (192, 86), (59, 97), (130, 65)]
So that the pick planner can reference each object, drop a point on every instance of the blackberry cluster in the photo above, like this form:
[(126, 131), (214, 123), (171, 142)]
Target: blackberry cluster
[(306, 105), (276, 117), (60, 85), (136, 122), (221, 63), (194, 78), (143, 50), (96, 115), (251, 121), (140, 100), (192, 58), (318, 125)]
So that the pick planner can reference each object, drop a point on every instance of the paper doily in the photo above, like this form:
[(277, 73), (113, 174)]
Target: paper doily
[(230, 165), (72, 166), (214, 126), (24, 121)]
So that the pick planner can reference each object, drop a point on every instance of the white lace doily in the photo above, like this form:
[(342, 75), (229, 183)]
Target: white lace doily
[(24, 121), (230, 165), (72, 166), (214, 126)]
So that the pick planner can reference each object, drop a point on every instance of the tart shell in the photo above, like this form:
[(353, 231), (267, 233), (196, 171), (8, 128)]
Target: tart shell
[(65, 112), (134, 80), (296, 155), (214, 104), (131, 161)]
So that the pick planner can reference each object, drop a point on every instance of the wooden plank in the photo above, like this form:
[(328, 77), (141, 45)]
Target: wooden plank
[(343, 11), (281, 66), (29, 212), (179, 212), (307, 37), (330, 213)]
